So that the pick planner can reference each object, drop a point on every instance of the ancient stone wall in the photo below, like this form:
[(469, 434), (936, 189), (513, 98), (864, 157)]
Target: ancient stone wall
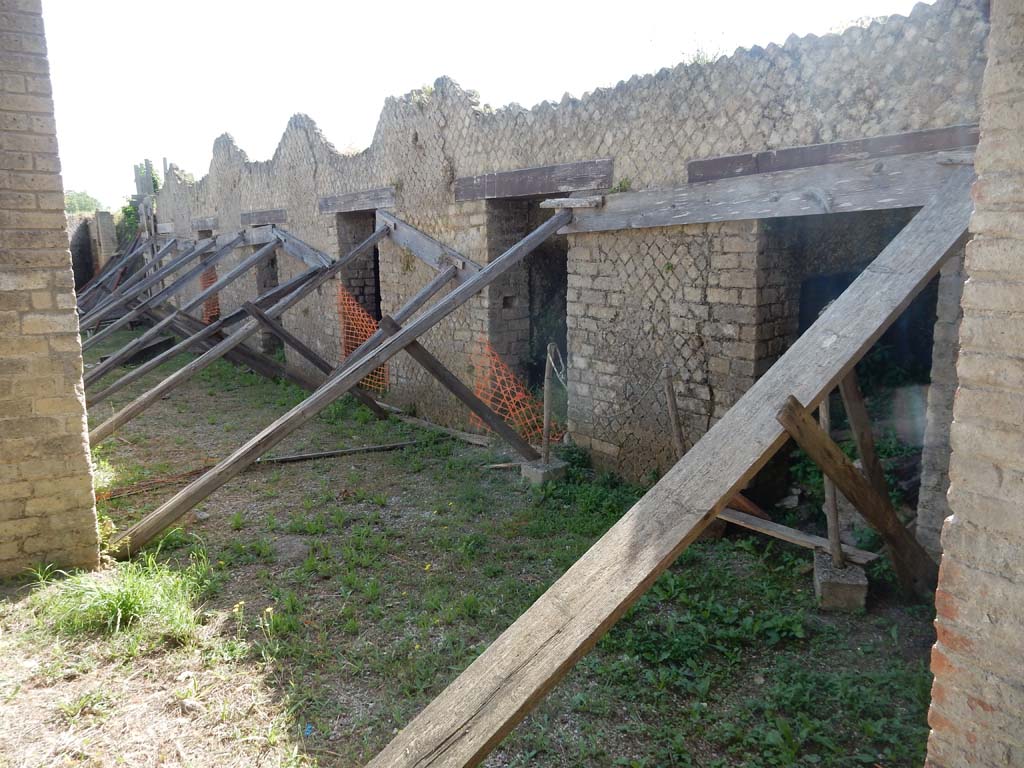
[(47, 512), (978, 693), (625, 322)]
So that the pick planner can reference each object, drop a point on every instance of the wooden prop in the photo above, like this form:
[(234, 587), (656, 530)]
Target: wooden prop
[(302, 250), (549, 375), (287, 337), (914, 567), (835, 546), (863, 436), (198, 338), (136, 290), (233, 274), (162, 295), (155, 522), (129, 284), (425, 248), (793, 536), (453, 384), (673, 413), (109, 272), (476, 711), (179, 377), (121, 258), (905, 181)]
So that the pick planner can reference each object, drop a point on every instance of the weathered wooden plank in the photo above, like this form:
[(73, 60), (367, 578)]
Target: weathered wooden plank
[(204, 222), (155, 522), (863, 436), (453, 384), (365, 200), (108, 275), (933, 140), (301, 250), (179, 377), (425, 248), (269, 216), (905, 181), (465, 722), (541, 180), (793, 536)]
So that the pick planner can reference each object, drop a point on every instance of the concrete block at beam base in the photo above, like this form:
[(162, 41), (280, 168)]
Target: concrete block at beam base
[(839, 589), (538, 473)]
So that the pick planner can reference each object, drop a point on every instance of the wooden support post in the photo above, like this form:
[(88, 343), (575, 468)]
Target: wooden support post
[(863, 436), (673, 413), (549, 367), (140, 274), (112, 269), (179, 377), (504, 683), (831, 502), (453, 384), (287, 337), (143, 532), (915, 569)]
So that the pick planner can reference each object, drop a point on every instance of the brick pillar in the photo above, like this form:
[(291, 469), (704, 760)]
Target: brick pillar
[(47, 512), (978, 694)]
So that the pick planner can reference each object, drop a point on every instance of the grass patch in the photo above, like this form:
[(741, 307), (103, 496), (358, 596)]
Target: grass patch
[(144, 599)]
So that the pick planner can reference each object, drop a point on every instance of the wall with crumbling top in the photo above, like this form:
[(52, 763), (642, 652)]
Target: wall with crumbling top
[(978, 693), (701, 299)]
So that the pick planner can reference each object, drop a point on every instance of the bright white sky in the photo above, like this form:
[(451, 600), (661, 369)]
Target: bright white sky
[(164, 78)]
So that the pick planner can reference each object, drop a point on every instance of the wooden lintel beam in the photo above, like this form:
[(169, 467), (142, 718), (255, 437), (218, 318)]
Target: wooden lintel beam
[(541, 180), (904, 181), (914, 567), (270, 216), (932, 140), (365, 200), (453, 384)]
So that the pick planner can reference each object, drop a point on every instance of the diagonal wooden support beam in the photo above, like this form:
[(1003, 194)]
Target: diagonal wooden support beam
[(863, 435), (453, 384), (135, 291), (232, 275), (915, 569), (425, 248), (144, 531), (162, 295), (127, 288), (110, 270), (293, 341), (201, 339), (793, 536), (473, 714), (179, 377)]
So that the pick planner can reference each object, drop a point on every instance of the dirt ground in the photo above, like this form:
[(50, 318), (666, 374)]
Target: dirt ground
[(385, 574)]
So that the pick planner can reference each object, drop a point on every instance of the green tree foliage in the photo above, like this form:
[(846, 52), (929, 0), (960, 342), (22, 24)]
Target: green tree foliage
[(80, 202), (126, 223)]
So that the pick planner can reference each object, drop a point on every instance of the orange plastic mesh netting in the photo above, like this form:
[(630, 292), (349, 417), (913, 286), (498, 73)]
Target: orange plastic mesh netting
[(356, 327), (211, 307), (505, 394)]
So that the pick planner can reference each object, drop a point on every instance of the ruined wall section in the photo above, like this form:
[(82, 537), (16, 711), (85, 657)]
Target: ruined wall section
[(900, 75), (978, 693), (47, 512)]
